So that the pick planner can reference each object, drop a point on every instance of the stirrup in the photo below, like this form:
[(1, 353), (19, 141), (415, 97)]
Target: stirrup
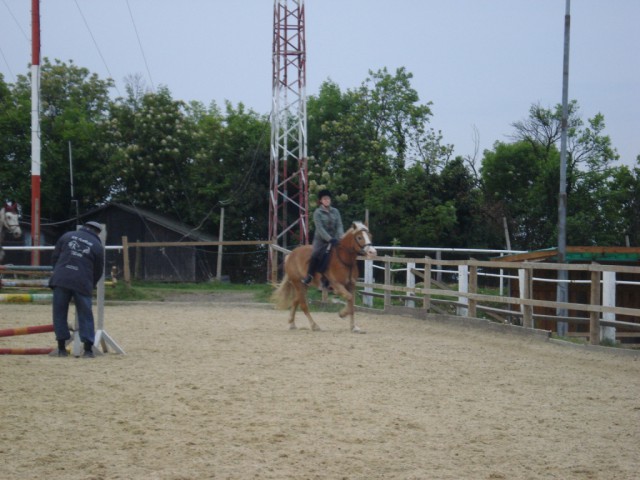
[(307, 280)]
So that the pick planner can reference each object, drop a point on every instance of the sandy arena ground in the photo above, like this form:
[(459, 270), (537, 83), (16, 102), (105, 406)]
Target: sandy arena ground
[(221, 390)]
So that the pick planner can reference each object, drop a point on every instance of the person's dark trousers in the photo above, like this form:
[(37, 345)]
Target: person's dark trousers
[(61, 298)]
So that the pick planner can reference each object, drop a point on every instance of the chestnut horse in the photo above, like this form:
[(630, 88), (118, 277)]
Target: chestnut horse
[(341, 272), (9, 222)]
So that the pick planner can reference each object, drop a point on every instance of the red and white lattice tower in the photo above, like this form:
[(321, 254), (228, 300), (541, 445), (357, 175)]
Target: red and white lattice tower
[(289, 193)]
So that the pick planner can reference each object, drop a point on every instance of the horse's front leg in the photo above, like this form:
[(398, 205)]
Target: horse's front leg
[(349, 307)]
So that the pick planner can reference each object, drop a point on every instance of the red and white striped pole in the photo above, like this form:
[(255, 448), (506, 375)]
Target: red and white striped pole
[(35, 130)]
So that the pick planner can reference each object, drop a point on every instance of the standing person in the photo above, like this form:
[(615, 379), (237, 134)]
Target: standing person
[(78, 264), (328, 230)]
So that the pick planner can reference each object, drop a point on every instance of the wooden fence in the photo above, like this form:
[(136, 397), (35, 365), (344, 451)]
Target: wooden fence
[(462, 292), (424, 289)]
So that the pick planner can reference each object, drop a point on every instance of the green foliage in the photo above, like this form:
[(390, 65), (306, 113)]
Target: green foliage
[(74, 110), (373, 146), (521, 182)]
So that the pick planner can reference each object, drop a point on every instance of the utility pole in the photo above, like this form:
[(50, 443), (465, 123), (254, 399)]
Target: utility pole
[(35, 131), (563, 275), (288, 192)]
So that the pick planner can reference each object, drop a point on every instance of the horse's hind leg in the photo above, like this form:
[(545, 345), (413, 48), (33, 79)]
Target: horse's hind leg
[(314, 326), (301, 301), (305, 308), (292, 315)]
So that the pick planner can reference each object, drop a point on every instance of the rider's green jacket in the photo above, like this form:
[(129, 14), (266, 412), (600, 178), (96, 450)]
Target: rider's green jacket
[(328, 225)]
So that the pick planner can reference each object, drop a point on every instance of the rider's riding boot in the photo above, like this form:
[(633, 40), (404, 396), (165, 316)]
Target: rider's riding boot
[(307, 279)]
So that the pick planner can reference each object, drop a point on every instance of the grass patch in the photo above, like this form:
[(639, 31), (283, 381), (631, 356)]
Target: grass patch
[(158, 291)]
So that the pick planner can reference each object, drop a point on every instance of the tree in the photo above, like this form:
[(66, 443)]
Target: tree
[(151, 153), (74, 111), (518, 185), (231, 168), (365, 140), (521, 180), (15, 147)]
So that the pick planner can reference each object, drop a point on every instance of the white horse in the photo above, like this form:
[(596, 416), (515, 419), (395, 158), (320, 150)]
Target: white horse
[(9, 222)]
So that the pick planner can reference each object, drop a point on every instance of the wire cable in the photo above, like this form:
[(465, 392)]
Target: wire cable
[(26, 37), (95, 43), (13, 77), (153, 88)]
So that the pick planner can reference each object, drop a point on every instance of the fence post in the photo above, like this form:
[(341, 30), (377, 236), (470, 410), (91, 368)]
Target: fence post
[(473, 288), (411, 283), (367, 300), (220, 239), (463, 286), (524, 277), (594, 323), (387, 281), (125, 261), (137, 274), (426, 301), (609, 300)]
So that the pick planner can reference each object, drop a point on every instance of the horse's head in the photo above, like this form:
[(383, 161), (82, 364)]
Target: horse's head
[(362, 239), (10, 220)]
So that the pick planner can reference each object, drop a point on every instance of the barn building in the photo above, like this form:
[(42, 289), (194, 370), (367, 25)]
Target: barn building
[(164, 264)]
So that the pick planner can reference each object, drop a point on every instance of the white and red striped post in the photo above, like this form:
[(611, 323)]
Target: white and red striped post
[(35, 130)]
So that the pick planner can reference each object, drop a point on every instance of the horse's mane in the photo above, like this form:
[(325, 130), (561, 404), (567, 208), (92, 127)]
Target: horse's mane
[(357, 227)]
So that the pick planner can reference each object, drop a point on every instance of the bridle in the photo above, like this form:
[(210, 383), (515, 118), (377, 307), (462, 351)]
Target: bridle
[(9, 221), (361, 247)]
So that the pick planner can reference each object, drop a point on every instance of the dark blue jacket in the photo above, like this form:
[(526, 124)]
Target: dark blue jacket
[(78, 261)]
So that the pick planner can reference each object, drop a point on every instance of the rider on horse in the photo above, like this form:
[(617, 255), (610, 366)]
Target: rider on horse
[(328, 230)]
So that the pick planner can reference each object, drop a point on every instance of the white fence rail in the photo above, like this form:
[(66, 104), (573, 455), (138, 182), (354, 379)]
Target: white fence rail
[(422, 289)]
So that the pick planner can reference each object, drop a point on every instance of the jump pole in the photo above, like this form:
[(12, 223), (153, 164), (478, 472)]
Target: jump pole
[(25, 268), (9, 332), (25, 297), (26, 351), (44, 282)]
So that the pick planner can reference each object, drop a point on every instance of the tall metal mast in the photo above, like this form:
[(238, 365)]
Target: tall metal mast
[(35, 131), (289, 194)]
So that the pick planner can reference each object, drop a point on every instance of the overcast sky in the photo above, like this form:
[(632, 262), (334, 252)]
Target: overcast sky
[(482, 63)]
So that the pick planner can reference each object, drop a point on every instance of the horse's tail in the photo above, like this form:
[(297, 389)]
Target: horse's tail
[(283, 295)]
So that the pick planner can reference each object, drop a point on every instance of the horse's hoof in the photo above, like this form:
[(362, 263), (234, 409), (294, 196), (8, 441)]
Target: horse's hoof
[(358, 330), (316, 328), (292, 326)]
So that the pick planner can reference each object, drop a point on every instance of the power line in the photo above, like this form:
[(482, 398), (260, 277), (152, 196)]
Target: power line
[(95, 43), (140, 45), (13, 77), (26, 37)]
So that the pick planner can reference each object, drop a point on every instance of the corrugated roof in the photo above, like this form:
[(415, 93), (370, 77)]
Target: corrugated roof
[(188, 232)]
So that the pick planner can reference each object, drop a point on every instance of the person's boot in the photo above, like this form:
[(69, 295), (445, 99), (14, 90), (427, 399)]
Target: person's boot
[(88, 350), (61, 351)]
